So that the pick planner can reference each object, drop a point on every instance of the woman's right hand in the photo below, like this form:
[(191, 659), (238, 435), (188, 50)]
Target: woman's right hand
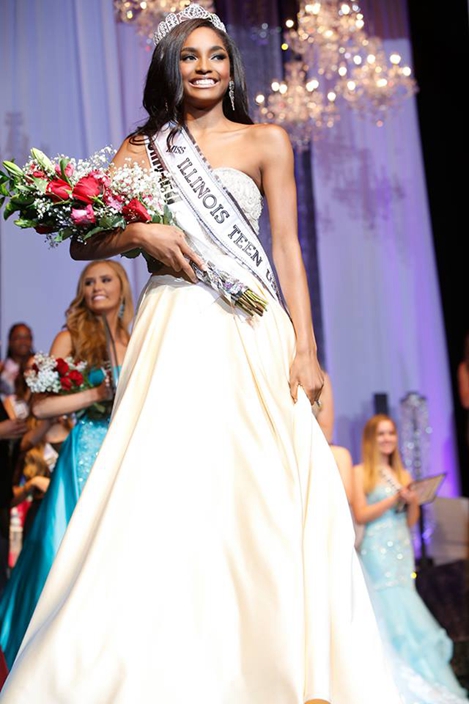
[(104, 390), (168, 244), (40, 483)]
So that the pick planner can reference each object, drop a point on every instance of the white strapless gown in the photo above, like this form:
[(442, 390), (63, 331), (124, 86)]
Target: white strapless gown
[(211, 556)]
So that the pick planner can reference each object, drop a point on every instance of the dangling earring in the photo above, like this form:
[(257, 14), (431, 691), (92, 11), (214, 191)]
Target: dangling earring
[(231, 94), (121, 312)]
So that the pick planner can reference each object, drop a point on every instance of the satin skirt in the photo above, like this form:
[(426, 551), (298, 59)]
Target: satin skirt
[(29, 575), (211, 555)]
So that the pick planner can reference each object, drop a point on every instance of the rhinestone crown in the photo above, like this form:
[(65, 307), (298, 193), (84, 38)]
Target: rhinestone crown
[(191, 12)]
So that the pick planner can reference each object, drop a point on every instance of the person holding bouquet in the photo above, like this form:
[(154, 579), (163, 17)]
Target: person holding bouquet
[(103, 302), (211, 555)]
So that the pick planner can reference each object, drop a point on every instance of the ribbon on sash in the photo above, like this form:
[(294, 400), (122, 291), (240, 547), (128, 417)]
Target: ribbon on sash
[(198, 200)]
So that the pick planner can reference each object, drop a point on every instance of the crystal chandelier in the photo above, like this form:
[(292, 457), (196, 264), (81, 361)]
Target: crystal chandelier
[(146, 14), (334, 60)]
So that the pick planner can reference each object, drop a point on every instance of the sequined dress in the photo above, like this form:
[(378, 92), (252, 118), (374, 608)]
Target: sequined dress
[(418, 647), (29, 575)]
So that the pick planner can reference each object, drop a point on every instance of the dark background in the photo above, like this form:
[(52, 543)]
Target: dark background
[(440, 44)]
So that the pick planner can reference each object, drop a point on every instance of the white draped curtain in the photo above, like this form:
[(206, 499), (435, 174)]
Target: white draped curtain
[(71, 82)]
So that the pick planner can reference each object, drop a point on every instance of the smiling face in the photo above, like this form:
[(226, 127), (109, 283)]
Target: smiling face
[(20, 342), (102, 290), (386, 438), (205, 67)]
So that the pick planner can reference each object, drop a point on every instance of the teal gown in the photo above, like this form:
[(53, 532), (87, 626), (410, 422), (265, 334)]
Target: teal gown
[(29, 575), (420, 650)]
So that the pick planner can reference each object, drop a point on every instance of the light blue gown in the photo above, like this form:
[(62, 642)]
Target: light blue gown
[(419, 648), (29, 575)]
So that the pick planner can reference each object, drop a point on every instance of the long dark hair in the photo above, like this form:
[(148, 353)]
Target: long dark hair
[(163, 95), (12, 331)]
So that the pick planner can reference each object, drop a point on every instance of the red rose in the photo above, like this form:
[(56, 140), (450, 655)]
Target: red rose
[(65, 383), (37, 173), (88, 188), (61, 366), (58, 189), (44, 230), (76, 377), (135, 211), (83, 216)]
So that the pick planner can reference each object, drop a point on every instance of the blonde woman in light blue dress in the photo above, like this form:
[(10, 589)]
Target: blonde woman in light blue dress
[(418, 648)]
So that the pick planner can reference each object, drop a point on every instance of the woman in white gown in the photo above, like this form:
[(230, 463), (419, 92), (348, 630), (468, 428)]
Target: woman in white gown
[(210, 558)]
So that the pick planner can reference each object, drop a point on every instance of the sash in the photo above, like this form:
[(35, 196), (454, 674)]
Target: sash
[(189, 184)]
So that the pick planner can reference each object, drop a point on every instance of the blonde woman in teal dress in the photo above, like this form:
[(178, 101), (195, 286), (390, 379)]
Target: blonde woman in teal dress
[(103, 292), (417, 646)]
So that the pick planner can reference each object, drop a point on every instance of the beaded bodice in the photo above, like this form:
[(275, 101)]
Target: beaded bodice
[(386, 549), (244, 191)]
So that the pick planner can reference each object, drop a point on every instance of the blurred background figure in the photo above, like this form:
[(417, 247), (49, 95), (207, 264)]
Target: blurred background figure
[(20, 349), (325, 415), (97, 332), (388, 509), (463, 386), (11, 432), (40, 448)]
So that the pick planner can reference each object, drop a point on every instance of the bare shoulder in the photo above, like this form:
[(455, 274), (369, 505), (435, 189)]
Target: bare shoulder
[(269, 135), (131, 150), (407, 478), (342, 454), (62, 344)]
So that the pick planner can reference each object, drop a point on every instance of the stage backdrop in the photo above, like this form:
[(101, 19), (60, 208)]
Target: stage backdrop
[(71, 83)]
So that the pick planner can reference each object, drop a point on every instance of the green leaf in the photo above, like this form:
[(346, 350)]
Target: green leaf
[(132, 253), (110, 222), (10, 208), (63, 164), (42, 159), (22, 199), (94, 231), (157, 218), (4, 190), (40, 184), (24, 223), (168, 217), (13, 169), (64, 234)]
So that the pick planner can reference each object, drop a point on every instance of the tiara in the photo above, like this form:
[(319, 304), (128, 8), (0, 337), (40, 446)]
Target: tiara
[(191, 12)]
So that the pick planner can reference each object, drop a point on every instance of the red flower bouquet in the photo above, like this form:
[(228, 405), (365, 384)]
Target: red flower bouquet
[(56, 375), (65, 197)]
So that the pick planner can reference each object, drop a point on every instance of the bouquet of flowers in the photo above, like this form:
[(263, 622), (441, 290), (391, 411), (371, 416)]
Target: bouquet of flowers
[(64, 197), (49, 374), (56, 375)]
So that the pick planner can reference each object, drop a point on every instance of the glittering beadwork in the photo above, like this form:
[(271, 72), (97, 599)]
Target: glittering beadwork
[(90, 434), (386, 549), (191, 12)]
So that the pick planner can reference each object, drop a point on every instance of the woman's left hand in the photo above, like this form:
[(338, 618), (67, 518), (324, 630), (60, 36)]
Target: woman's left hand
[(306, 372), (409, 496)]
